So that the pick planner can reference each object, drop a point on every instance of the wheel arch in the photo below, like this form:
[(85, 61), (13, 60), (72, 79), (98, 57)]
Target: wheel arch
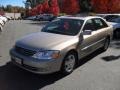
[(73, 51)]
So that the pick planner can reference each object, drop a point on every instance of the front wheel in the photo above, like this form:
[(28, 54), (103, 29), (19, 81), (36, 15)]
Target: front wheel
[(69, 63)]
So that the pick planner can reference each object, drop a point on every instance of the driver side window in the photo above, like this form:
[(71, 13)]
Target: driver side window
[(89, 25)]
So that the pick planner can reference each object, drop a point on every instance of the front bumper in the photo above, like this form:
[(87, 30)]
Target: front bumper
[(35, 65)]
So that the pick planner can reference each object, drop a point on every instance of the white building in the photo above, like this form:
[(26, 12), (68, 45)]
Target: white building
[(13, 15)]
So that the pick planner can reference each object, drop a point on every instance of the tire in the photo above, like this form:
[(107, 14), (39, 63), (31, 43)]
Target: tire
[(0, 28), (117, 34), (69, 63), (106, 44)]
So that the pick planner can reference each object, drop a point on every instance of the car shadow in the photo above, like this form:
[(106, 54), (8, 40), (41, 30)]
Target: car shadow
[(111, 58), (14, 78), (89, 57), (115, 44)]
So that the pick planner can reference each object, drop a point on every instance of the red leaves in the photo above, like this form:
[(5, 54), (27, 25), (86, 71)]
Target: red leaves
[(100, 5), (32, 12), (114, 6), (40, 8), (54, 8), (45, 7), (70, 6), (106, 6)]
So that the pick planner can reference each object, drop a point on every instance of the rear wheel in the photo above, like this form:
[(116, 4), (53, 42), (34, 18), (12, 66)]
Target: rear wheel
[(106, 44), (0, 28), (69, 63), (117, 33)]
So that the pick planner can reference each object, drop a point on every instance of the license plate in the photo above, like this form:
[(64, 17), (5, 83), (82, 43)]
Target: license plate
[(18, 60)]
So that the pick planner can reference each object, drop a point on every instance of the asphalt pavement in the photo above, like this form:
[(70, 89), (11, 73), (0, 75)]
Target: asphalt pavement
[(98, 71)]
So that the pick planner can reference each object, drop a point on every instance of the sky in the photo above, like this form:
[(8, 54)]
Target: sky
[(12, 2)]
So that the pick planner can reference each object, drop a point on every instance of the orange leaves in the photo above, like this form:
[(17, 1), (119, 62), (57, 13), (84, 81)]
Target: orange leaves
[(45, 5), (70, 6), (39, 8), (54, 7), (106, 6), (100, 5), (115, 6)]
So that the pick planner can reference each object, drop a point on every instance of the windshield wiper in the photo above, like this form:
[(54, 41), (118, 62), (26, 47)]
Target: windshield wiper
[(57, 32)]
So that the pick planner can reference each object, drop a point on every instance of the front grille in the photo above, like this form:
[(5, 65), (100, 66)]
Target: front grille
[(23, 51)]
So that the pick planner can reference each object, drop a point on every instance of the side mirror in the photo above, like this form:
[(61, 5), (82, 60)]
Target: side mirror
[(87, 32)]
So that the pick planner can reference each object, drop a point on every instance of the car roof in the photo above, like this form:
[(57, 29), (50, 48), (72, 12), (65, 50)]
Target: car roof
[(108, 14), (80, 17)]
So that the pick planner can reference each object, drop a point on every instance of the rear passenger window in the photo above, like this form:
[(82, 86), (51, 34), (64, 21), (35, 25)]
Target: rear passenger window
[(99, 24)]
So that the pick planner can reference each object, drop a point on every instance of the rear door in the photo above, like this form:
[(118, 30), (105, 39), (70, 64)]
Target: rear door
[(88, 40), (96, 39), (101, 29)]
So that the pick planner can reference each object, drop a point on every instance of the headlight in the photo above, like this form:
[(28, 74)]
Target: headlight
[(47, 55)]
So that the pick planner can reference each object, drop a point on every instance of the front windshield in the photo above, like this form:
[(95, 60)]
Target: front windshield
[(64, 26)]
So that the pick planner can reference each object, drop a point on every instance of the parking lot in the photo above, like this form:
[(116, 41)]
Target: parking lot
[(99, 71)]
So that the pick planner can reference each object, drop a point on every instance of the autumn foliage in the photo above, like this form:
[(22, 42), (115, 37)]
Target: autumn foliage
[(100, 5), (45, 7), (106, 6), (115, 6), (54, 8), (73, 7), (70, 6), (33, 12), (39, 8)]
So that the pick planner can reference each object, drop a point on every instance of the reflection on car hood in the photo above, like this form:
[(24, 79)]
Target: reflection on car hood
[(43, 40)]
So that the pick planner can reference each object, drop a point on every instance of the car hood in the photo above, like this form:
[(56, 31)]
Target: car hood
[(43, 40), (3, 18), (1, 22)]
